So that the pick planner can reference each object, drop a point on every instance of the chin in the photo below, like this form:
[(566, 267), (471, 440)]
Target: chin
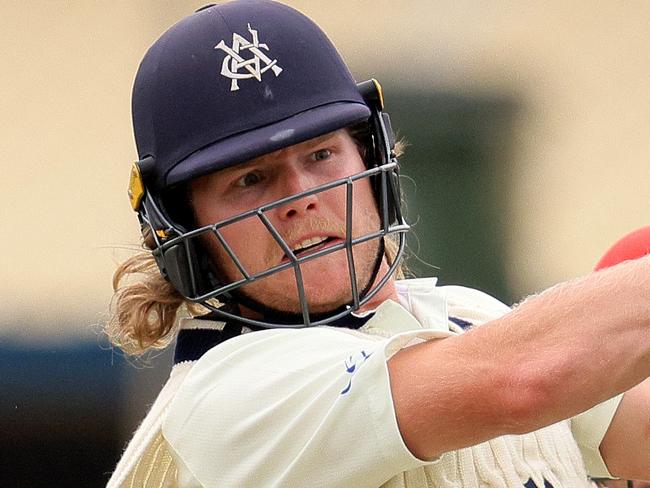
[(326, 281), (325, 291), (321, 298)]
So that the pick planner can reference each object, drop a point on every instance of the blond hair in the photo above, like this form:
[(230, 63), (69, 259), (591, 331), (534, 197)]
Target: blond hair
[(145, 306)]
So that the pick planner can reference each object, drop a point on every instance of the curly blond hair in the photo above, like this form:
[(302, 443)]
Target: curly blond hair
[(145, 306)]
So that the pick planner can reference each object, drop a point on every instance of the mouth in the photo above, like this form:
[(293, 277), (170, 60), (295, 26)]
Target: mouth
[(311, 245)]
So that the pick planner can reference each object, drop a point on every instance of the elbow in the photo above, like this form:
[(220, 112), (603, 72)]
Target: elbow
[(528, 401)]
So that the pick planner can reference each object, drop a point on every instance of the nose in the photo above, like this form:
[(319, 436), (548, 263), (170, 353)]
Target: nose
[(295, 182)]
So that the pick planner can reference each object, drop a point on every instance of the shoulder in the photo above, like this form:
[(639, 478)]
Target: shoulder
[(461, 302), (282, 395), (282, 357), (461, 296), (473, 306)]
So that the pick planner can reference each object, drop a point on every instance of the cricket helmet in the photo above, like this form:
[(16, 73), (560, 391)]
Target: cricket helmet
[(230, 83)]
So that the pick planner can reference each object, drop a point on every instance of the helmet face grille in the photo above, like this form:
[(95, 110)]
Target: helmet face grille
[(187, 272)]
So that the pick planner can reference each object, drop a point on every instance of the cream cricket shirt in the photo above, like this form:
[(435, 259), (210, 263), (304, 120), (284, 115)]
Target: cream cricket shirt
[(312, 407)]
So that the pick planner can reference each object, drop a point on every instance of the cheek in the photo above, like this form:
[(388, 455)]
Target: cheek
[(209, 203), (203, 214), (251, 243), (364, 198)]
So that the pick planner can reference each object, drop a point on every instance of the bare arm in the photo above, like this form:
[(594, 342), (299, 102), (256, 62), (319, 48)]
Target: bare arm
[(554, 356), (626, 446)]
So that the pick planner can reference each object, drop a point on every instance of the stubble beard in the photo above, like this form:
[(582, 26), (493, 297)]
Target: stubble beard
[(279, 291)]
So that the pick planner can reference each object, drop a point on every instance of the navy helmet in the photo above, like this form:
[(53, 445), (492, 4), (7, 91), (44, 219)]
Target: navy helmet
[(229, 83)]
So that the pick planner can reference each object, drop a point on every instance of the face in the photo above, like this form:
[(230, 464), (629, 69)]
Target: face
[(306, 225)]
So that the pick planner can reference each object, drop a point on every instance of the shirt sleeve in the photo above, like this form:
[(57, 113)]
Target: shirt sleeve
[(588, 429), (278, 407)]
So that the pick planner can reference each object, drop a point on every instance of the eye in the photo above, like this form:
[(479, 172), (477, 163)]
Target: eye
[(249, 179), (321, 155)]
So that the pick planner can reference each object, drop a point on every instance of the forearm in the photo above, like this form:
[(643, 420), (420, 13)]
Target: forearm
[(555, 355), (580, 342)]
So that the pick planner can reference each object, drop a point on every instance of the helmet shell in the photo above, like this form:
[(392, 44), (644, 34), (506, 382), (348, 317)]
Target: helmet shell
[(232, 82)]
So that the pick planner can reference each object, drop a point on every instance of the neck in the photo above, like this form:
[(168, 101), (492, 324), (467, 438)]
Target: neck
[(387, 292)]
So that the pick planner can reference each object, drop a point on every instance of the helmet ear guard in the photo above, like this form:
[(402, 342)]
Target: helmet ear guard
[(180, 261), (373, 95), (383, 151), (186, 266)]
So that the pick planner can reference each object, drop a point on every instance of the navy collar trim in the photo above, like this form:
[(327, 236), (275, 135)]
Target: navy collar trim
[(191, 344)]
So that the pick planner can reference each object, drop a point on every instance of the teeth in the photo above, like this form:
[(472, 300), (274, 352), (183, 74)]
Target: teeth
[(309, 243)]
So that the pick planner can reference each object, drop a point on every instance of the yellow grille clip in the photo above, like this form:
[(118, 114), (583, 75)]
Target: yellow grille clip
[(136, 187)]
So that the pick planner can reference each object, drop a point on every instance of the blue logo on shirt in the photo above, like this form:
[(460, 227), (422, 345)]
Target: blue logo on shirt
[(352, 365), (531, 484)]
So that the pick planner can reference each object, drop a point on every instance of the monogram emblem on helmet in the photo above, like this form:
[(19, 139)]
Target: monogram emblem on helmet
[(254, 67)]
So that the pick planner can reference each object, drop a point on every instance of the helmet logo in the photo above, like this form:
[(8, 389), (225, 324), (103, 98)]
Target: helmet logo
[(254, 67)]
